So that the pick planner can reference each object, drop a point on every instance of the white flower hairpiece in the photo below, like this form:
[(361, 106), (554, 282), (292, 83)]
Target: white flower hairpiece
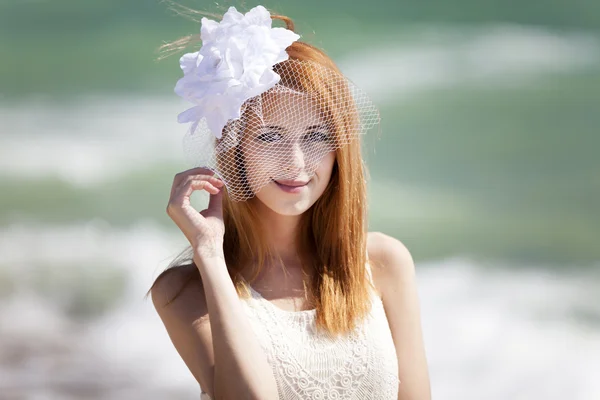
[(234, 64)]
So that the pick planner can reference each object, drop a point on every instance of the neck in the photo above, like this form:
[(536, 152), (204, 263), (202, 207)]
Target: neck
[(282, 234)]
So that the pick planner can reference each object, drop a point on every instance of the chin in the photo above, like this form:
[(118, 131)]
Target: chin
[(285, 203)]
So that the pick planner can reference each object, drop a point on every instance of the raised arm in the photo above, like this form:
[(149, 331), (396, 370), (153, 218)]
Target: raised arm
[(206, 322)]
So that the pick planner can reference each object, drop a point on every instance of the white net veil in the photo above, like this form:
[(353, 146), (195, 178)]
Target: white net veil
[(285, 132)]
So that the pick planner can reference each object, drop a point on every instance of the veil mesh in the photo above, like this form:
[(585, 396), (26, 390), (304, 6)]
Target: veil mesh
[(285, 132)]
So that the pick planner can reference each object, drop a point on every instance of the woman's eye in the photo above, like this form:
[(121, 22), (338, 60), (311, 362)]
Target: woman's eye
[(269, 136), (317, 136)]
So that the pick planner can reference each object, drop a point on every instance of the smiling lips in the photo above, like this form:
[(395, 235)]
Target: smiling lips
[(291, 186), (292, 183)]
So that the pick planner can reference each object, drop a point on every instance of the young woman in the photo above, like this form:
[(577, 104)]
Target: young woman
[(284, 295)]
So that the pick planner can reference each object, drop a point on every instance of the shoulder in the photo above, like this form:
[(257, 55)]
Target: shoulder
[(180, 302), (173, 283), (391, 262), (395, 271)]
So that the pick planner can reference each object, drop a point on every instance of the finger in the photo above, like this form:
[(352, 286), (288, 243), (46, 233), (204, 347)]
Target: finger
[(180, 177), (214, 181), (183, 194), (192, 171), (210, 179), (215, 204), (200, 184)]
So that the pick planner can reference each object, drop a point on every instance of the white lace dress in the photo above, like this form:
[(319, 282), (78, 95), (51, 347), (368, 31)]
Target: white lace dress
[(310, 365)]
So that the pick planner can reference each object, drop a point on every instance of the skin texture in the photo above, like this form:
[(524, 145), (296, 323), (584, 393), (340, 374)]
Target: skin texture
[(206, 322), (394, 277), (302, 153), (189, 324), (225, 350)]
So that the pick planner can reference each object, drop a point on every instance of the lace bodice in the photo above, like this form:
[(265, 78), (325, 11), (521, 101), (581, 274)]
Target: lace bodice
[(312, 365)]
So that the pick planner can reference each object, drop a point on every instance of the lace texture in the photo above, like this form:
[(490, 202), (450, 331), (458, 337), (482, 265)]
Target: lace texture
[(308, 364)]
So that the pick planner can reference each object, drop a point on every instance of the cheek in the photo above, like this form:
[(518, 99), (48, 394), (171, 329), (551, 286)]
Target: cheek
[(268, 195), (326, 166), (257, 171)]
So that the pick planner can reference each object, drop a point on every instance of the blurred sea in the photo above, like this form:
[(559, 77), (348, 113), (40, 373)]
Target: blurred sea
[(486, 167)]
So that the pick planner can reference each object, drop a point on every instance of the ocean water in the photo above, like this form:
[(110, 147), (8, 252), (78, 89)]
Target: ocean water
[(509, 286), (491, 331)]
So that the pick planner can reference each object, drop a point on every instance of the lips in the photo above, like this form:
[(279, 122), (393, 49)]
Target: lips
[(292, 183), (293, 187)]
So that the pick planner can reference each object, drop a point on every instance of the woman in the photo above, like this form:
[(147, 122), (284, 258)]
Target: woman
[(285, 295)]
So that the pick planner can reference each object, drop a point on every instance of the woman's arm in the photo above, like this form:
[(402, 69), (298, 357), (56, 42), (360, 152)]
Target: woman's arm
[(212, 334), (206, 322), (394, 275)]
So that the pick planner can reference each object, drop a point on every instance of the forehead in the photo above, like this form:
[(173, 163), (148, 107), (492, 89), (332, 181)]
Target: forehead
[(290, 110)]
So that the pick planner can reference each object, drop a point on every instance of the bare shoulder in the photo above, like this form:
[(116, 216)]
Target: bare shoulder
[(173, 283), (390, 260), (178, 296), (394, 271)]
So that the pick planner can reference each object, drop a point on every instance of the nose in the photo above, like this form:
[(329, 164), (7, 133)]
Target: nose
[(294, 158)]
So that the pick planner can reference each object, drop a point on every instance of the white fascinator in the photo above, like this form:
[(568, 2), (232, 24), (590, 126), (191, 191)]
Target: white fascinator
[(239, 78)]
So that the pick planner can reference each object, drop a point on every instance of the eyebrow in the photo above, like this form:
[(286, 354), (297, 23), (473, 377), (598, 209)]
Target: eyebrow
[(282, 129)]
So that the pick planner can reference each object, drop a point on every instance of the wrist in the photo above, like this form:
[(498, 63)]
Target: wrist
[(208, 252), (210, 245), (210, 264)]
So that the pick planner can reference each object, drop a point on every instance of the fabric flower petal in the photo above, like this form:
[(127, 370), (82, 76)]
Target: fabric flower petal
[(259, 16), (234, 64), (232, 17), (208, 30), (283, 38), (188, 62), (190, 115)]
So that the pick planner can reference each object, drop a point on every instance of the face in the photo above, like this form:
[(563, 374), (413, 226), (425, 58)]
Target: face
[(289, 154)]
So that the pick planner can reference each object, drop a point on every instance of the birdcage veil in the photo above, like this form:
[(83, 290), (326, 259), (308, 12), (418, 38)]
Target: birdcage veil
[(243, 85)]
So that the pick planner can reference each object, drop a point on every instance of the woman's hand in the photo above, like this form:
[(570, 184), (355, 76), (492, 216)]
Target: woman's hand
[(204, 229)]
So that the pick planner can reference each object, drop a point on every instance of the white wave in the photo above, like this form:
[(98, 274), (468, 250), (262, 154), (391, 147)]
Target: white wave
[(502, 333), (126, 350), (95, 139), (437, 57), (491, 332), (92, 140)]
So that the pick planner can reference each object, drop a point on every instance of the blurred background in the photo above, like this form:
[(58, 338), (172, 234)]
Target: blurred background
[(486, 167)]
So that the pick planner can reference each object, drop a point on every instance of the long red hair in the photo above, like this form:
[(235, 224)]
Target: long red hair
[(333, 234)]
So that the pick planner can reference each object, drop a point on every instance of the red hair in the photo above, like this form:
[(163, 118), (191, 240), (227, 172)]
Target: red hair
[(333, 234)]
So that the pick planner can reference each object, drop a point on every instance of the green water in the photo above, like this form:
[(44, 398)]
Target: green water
[(66, 47), (516, 172), (508, 172)]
